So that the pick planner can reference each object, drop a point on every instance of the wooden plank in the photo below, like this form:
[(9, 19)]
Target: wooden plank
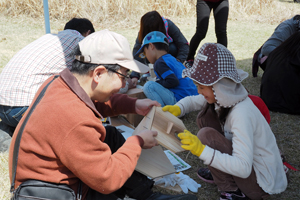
[(169, 128), (154, 163), (146, 122), (138, 93), (160, 124), (120, 120), (134, 119)]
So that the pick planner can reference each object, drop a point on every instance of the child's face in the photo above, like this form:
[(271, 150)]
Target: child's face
[(149, 53), (207, 92)]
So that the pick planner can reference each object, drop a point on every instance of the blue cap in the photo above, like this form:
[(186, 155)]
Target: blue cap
[(153, 37)]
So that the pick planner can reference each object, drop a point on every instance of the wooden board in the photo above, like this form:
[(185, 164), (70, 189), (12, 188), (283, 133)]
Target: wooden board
[(120, 120), (138, 93), (154, 163), (146, 122), (167, 126)]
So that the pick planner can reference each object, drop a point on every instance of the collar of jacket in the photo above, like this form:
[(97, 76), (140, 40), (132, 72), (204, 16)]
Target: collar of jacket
[(74, 85)]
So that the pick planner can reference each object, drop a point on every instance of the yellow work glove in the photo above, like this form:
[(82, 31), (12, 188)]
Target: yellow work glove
[(191, 142), (175, 110)]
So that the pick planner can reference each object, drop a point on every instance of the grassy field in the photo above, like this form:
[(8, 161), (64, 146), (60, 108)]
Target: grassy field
[(247, 30)]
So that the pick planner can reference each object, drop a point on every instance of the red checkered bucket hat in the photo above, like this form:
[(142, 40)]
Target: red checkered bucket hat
[(212, 63)]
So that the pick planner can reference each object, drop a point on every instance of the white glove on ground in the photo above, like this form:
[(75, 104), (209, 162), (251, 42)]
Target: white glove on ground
[(184, 181)]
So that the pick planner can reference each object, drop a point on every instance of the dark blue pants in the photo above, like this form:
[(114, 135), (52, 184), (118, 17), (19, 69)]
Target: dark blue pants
[(10, 117)]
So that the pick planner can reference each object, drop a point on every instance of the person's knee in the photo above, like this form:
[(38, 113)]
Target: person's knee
[(148, 85), (214, 139), (205, 133)]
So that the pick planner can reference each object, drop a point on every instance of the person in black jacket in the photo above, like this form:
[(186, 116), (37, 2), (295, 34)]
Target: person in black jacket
[(281, 78)]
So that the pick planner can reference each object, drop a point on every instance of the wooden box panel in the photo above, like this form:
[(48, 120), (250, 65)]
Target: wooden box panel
[(135, 119)]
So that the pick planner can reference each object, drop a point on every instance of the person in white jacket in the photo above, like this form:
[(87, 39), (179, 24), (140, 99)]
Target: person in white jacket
[(234, 139)]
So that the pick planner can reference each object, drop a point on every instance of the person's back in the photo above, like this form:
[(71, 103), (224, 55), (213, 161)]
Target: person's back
[(35, 63), (282, 32), (32, 65), (282, 76)]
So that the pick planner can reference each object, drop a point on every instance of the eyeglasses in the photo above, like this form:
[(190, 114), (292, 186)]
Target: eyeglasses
[(125, 77)]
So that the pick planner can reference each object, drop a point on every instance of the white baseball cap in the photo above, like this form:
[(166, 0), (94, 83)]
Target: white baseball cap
[(107, 47)]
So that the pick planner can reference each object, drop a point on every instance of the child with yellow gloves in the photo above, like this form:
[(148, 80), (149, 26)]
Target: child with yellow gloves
[(234, 139), (191, 142)]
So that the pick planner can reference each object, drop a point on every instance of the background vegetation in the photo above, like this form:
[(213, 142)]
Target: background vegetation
[(250, 23), (270, 11)]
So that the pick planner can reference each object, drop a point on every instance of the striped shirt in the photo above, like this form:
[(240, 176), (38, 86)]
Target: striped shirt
[(35, 63)]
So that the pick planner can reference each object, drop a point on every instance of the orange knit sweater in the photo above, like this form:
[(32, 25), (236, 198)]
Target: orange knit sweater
[(63, 140)]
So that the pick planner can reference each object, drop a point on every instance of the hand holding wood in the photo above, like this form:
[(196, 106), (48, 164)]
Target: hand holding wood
[(149, 138), (191, 142), (143, 106), (175, 110)]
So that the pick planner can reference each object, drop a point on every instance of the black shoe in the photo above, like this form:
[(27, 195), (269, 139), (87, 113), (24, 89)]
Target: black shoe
[(205, 175), (159, 196), (235, 195)]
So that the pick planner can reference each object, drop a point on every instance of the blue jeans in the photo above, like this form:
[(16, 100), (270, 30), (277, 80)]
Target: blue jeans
[(10, 117), (159, 93)]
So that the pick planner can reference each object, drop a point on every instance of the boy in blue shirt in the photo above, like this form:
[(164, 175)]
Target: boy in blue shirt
[(170, 86)]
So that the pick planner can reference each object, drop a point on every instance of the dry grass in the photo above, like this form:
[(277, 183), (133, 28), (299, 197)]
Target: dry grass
[(121, 11), (266, 11), (250, 23), (4, 178)]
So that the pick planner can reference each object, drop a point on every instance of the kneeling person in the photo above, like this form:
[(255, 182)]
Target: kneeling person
[(64, 142), (170, 86)]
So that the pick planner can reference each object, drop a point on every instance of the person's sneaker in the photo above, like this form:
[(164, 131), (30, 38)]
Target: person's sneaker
[(160, 196), (235, 195), (205, 175), (188, 63)]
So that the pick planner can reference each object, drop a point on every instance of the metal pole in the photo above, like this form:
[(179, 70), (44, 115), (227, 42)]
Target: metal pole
[(46, 16)]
